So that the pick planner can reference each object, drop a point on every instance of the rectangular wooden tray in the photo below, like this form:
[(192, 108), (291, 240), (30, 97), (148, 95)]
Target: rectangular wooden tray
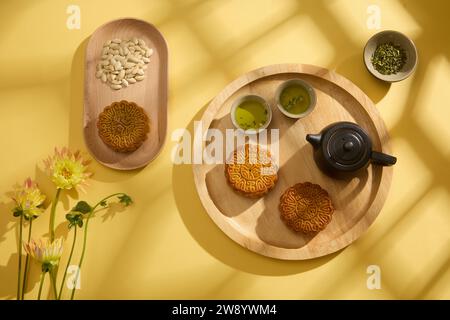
[(150, 94)]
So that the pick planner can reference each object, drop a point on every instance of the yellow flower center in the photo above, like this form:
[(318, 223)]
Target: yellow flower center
[(66, 173)]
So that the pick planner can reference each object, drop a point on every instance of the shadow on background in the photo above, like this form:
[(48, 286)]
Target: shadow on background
[(352, 65), (8, 289), (6, 218), (214, 241), (433, 21), (353, 68)]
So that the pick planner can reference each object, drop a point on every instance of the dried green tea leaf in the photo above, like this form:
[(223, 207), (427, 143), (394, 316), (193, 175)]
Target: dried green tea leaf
[(388, 58)]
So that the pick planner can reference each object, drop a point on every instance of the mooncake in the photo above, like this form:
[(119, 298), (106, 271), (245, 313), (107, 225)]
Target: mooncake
[(123, 126), (306, 207), (251, 171)]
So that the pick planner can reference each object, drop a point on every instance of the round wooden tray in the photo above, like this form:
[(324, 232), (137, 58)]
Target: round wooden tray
[(256, 223), (150, 94)]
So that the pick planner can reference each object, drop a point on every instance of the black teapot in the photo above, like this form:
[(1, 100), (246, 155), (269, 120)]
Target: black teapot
[(343, 148)]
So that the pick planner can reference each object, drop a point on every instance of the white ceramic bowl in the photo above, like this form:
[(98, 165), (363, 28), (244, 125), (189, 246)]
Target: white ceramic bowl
[(398, 39), (251, 97), (304, 84)]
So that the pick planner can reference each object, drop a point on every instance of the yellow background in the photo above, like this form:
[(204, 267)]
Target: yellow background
[(166, 246)]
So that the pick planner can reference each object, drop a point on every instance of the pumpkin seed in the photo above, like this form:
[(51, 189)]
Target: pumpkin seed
[(123, 62)]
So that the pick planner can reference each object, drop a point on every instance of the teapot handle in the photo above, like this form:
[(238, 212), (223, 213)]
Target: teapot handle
[(383, 159)]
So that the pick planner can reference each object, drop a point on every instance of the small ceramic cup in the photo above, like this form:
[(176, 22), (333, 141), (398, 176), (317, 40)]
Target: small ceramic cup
[(304, 84), (396, 38), (251, 97)]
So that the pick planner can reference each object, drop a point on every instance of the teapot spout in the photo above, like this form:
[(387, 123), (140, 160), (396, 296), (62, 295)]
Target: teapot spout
[(383, 159), (314, 139)]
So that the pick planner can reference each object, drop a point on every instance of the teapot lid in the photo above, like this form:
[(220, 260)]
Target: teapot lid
[(348, 146)]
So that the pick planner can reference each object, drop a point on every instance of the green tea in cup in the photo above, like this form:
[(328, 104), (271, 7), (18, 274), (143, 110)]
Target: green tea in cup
[(251, 113), (295, 98)]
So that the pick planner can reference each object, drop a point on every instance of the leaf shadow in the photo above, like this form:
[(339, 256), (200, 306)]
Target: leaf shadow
[(113, 209), (6, 218)]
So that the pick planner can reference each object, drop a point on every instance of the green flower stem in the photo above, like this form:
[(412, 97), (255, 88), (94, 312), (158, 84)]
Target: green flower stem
[(85, 238), (40, 285), (27, 266), (54, 271), (52, 274), (20, 257), (68, 262), (52, 215)]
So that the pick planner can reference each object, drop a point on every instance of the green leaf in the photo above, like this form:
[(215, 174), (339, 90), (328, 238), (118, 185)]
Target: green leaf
[(17, 212), (71, 216), (83, 207), (103, 203), (75, 218), (46, 267), (125, 200)]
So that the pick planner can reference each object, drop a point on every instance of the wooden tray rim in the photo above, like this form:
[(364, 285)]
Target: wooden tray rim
[(164, 99), (255, 244)]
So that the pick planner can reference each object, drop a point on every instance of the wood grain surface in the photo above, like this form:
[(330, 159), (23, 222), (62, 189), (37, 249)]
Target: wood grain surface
[(256, 223), (150, 94)]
